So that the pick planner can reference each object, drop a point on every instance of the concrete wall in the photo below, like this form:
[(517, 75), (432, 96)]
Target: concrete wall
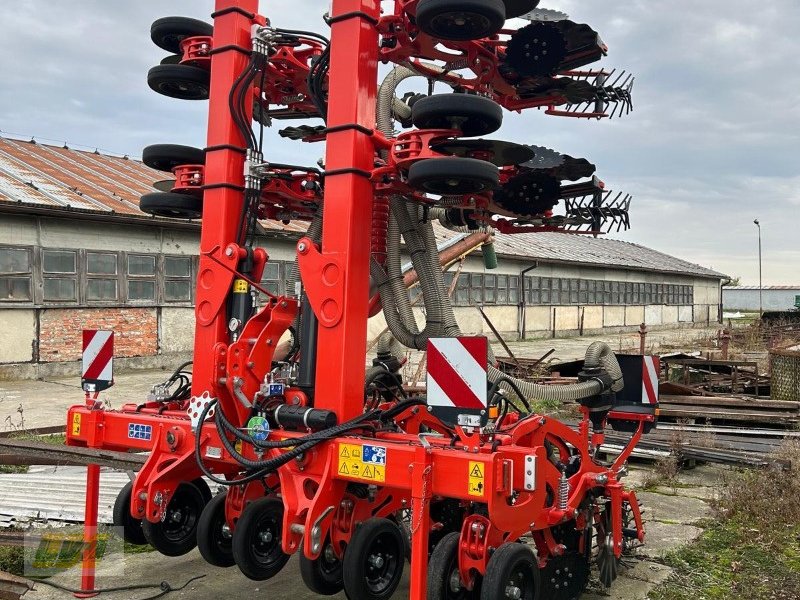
[(739, 299)]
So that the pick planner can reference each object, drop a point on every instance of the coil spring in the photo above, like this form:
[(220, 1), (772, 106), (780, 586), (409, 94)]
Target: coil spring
[(563, 492), (380, 224)]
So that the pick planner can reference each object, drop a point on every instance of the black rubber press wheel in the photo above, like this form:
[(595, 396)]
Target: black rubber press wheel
[(130, 526), (168, 32), (213, 534), (257, 539), (184, 82), (444, 579), (173, 205), (324, 574), (473, 115), (512, 574), (461, 19), (453, 176), (177, 533), (165, 157), (374, 560)]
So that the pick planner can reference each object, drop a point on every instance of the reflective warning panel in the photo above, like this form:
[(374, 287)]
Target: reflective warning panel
[(456, 383), (97, 372), (362, 461)]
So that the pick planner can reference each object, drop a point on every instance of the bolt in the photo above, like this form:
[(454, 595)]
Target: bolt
[(229, 251), (301, 247), (226, 532), (176, 516), (513, 592), (376, 560), (266, 536)]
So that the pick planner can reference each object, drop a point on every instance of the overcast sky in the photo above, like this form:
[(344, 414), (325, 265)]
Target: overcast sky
[(712, 144)]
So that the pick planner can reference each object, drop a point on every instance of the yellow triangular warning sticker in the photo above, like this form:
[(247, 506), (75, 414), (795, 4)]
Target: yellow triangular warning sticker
[(344, 453), (343, 469), (368, 472), (476, 471)]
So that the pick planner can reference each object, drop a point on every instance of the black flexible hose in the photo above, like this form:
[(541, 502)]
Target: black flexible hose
[(164, 586)]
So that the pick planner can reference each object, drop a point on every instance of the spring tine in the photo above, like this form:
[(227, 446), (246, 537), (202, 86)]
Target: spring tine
[(620, 76)]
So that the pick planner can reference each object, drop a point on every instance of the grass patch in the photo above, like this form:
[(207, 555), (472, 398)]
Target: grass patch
[(752, 549), (12, 560)]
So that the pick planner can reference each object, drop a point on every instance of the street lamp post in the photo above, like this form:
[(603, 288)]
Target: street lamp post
[(760, 286)]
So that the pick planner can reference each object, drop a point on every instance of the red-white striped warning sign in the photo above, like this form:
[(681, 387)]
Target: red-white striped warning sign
[(98, 358), (651, 366), (456, 379)]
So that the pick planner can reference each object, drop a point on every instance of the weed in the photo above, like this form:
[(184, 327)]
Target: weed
[(12, 560)]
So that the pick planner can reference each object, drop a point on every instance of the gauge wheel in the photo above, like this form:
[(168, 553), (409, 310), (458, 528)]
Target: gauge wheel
[(168, 32), (444, 579), (461, 19), (165, 157), (184, 82), (472, 115), (374, 560), (512, 573), (213, 534), (257, 539), (453, 176), (172, 205), (322, 575), (176, 534), (130, 526)]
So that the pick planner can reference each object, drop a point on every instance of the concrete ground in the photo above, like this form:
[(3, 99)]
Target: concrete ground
[(27, 403), (673, 517)]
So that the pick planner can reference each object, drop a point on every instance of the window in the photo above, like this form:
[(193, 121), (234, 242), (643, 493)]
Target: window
[(15, 274), (502, 289), (271, 279), (178, 278), (141, 275), (101, 289), (98, 263), (462, 290), (476, 289), (583, 291), (573, 291), (59, 282), (593, 291), (513, 290), (489, 292)]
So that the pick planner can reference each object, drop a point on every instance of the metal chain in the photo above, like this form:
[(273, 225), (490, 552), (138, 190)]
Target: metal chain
[(425, 475)]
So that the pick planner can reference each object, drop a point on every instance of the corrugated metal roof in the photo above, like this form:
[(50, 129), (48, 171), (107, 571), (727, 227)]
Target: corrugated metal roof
[(727, 288), (43, 175), (587, 250)]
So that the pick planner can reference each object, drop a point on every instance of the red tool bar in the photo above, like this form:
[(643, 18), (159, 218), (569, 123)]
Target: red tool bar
[(222, 205), (347, 217)]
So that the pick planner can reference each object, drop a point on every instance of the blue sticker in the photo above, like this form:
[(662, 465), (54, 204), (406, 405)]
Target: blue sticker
[(276, 389), (139, 431), (259, 428), (375, 455)]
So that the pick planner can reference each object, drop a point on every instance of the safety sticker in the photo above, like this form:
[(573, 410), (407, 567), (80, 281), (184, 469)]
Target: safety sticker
[(138, 431), (362, 462), (259, 428), (240, 286), (475, 478), (76, 424)]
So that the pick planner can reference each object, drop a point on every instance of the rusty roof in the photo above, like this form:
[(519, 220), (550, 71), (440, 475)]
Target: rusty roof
[(44, 176)]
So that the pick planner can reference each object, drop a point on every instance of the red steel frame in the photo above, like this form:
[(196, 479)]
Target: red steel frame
[(336, 277)]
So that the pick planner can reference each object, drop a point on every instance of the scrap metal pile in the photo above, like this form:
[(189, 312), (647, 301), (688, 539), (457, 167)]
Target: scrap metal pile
[(316, 457)]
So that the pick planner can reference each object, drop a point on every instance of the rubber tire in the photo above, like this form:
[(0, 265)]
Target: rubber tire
[(212, 546), (487, 18), (479, 115), (505, 560), (321, 576), (172, 205), (168, 32), (163, 540), (441, 563), (184, 82), (356, 586), (436, 175), (246, 528), (165, 157), (131, 526)]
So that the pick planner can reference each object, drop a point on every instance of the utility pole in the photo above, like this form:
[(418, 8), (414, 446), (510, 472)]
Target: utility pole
[(760, 286)]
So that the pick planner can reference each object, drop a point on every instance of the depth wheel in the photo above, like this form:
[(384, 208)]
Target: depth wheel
[(213, 534), (453, 176), (444, 580), (173, 205), (472, 115), (373, 561), (322, 575), (184, 82), (165, 157), (131, 526), (511, 574), (177, 533), (462, 19), (168, 32), (257, 540)]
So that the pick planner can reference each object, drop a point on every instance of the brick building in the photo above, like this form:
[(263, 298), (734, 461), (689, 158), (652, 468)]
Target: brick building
[(76, 252)]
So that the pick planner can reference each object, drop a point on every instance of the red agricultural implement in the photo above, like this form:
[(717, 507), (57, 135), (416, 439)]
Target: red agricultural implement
[(483, 497)]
